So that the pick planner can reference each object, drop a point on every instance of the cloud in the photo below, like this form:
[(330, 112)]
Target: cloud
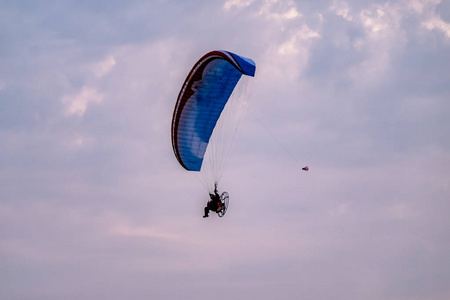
[(279, 10), (104, 67), (421, 6), (292, 46), (357, 90), (78, 103), (237, 4), (341, 9), (126, 230), (431, 19), (118, 227), (268, 9), (437, 23)]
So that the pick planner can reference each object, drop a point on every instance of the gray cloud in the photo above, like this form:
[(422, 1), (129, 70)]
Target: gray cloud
[(93, 203)]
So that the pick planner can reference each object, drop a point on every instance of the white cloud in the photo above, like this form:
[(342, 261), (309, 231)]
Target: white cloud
[(80, 141), (291, 14), (292, 46), (417, 5), (341, 9), (427, 9), (127, 230), (239, 4), (288, 36), (341, 209), (289, 47), (383, 35), (279, 10), (437, 23), (378, 18), (78, 103), (402, 211), (103, 67), (270, 9), (116, 225), (420, 6), (306, 33)]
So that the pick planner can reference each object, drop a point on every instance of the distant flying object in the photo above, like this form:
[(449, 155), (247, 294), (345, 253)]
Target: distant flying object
[(205, 111), (305, 168)]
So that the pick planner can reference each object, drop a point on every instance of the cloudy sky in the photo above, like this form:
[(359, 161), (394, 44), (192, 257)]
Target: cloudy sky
[(94, 205)]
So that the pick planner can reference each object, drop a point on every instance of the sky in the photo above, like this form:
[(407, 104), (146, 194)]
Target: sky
[(94, 205)]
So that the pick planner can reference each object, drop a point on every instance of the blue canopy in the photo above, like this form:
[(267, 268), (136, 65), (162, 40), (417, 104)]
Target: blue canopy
[(200, 102)]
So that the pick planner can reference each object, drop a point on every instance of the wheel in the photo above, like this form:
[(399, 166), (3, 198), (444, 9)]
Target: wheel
[(225, 199)]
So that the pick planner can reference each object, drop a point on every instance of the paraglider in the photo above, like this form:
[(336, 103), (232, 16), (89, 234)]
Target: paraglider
[(214, 204), (217, 203), (200, 114)]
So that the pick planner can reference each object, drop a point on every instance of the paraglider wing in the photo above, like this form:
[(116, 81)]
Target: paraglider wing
[(200, 102)]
